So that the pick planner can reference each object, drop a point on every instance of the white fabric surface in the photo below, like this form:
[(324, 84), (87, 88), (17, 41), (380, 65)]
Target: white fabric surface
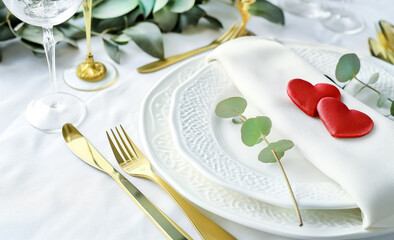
[(364, 166), (47, 193)]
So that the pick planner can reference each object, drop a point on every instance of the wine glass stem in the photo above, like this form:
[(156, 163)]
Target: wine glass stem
[(87, 13), (49, 46)]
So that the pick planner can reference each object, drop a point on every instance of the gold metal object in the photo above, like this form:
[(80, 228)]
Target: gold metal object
[(95, 89), (80, 146), (90, 70), (230, 34), (384, 47), (243, 7), (134, 163)]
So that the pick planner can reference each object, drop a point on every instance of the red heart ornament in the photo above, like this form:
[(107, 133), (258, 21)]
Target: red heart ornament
[(306, 96), (342, 122)]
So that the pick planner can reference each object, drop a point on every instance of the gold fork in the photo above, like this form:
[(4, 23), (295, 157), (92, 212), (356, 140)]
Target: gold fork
[(231, 33), (134, 163)]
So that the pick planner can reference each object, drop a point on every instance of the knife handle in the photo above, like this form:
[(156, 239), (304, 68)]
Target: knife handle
[(162, 63), (207, 229), (165, 224)]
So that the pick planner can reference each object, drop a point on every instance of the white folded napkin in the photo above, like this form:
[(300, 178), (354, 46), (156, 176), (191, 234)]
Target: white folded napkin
[(363, 166)]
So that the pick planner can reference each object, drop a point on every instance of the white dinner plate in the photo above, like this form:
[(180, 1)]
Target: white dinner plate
[(214, 147), (191, 183)]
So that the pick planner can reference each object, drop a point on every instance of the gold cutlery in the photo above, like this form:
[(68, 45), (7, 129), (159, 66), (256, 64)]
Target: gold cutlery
[(230, 34), (134, 163), (243, 7), (80, 146)]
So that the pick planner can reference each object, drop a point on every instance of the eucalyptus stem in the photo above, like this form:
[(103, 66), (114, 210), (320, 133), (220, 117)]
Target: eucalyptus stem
[(290, 189), (243, 117), (297, 209), (373, 89), (267, 142), (9, 24)]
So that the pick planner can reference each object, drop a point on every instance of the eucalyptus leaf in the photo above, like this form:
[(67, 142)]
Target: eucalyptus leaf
[(70, 31), (100, 25), (37, 49), (215, 23), (280, 147), (381, 100), (159, 4), (392, 109), (3, 12), (148, 37), (166, 19), (112, 50), (5, 33), (113, 17), (374, 78), (70, 41), (347, 67), (147, 6), (180, 6), (134, 16), (121, 39), (14, 20), (34, 34), (268, 11), (254, 130), (113, 8), (237, 120), (190, 17), (230, 107)]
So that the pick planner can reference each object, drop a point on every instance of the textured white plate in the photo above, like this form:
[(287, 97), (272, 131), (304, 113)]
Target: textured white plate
[(214, 147), (189, 182)]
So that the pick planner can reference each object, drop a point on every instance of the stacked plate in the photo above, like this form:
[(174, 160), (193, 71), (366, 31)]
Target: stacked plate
[(203, 158)]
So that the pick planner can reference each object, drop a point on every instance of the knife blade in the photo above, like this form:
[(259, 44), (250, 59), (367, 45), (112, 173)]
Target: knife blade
[(82, 148)]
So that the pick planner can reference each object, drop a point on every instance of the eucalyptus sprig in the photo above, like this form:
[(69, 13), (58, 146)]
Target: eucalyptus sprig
[(119, 22), (347, 69), (254, 131)]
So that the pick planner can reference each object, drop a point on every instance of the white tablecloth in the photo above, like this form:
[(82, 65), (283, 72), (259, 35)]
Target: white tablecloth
[(47, 193)]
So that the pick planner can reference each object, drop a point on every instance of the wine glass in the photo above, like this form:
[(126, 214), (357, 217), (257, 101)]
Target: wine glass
[(304, 8), (90, 75), (48, 113), (341, 20)]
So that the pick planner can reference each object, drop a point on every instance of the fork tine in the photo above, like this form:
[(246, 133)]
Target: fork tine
[(226, 33), (233, 35), (136, 150), (132, 155), (121, 148), (118, 157)]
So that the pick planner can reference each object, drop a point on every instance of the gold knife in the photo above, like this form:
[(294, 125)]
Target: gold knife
[(80, 146)]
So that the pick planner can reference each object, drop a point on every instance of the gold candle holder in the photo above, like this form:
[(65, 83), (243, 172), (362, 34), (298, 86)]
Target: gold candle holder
[(90, 70)]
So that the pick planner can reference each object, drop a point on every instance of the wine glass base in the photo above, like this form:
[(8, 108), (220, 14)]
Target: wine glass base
[(343, 21), (304, 8), (50, 112), (72, 80)]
